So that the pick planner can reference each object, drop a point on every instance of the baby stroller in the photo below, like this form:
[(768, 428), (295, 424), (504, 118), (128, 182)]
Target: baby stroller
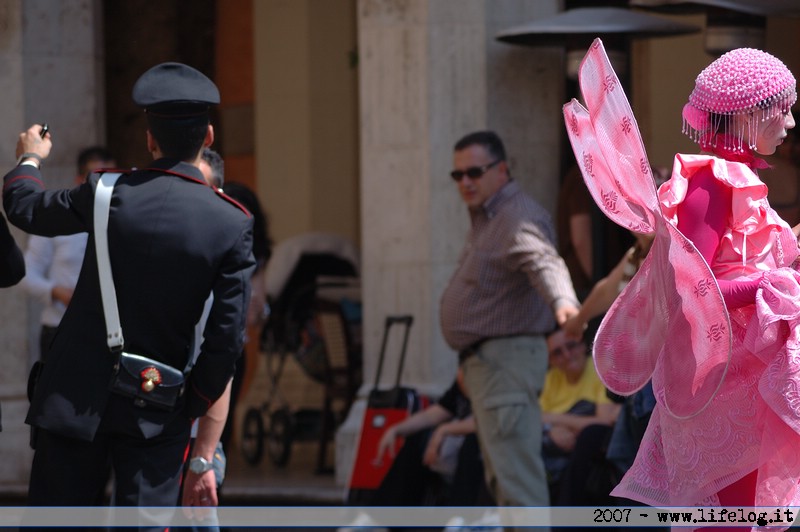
[(315, 315)]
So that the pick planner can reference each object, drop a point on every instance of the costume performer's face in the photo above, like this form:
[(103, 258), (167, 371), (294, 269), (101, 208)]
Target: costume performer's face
[(771, 132)]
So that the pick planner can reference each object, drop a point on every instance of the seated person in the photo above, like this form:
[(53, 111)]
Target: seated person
[(577, 417), (635, 409), (440, 451)]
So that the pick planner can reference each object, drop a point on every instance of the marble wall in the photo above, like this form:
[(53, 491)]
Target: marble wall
[(52, 67), (430, 71), (13, 310)]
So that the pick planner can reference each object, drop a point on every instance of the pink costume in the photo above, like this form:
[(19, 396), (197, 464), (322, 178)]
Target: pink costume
[(713, 315)]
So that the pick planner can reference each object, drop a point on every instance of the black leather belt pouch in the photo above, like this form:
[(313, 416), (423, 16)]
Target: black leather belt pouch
[(148, 382)]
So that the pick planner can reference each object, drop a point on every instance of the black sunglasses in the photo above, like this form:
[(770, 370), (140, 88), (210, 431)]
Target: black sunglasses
[(473, 172), (564, 349)]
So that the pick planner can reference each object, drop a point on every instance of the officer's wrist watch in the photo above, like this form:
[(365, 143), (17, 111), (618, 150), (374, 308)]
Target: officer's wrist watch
[(199, 465)]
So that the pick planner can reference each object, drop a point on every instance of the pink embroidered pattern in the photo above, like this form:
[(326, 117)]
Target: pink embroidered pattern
[(716, 332), (610, 201), (618, 186), (610, 83), (703, 287), (587, 163), (627, 124), (573, 124)]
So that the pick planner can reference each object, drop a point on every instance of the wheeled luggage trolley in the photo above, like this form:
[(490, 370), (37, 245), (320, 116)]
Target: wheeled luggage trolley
[(384, 408)]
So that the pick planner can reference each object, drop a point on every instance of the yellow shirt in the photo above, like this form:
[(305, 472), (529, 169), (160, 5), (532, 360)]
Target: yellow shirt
[(558, 395)]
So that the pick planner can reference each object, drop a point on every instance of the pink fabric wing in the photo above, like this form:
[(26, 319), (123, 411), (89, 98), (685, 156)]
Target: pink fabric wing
[(670, 322)]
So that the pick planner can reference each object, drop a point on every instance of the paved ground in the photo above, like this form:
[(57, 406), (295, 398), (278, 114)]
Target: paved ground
[(267, 485), (262, 485)]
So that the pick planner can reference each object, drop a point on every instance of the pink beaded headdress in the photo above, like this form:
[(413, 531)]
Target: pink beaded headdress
[(740, 82)]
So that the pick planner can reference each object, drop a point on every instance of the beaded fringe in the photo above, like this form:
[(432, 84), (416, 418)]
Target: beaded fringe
[(723, 123)]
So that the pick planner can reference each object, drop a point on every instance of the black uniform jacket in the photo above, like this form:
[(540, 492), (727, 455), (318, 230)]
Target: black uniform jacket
[(172, 241), (12, 262)]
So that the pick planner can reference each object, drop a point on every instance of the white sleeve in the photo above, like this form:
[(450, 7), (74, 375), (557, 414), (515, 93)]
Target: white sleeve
[(38, 260)]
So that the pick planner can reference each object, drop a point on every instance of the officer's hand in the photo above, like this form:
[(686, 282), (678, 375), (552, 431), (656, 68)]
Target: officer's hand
[(31, 141), (200, 490)]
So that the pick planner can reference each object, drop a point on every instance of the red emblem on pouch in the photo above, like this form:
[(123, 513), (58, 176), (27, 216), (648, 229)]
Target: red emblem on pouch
[(151, 378)]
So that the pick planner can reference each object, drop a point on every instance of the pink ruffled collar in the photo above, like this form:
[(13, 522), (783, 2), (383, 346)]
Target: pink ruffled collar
[(720, 147)]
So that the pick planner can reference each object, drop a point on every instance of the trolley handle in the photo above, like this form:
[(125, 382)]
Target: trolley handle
[(406, 320)]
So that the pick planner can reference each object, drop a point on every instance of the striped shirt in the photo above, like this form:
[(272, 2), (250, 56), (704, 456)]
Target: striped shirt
[(509, 278)]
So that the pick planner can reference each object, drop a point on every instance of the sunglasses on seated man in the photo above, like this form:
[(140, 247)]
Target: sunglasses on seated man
[(473, 172), (565, 349)]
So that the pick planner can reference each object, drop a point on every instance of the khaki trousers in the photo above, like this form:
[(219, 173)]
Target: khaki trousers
[(504, 378)]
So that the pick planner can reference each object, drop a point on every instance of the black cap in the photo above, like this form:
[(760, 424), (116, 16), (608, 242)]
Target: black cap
[(174, 89)]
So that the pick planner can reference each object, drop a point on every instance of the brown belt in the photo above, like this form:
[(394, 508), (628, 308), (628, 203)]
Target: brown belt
[(470, 350), (474, 348)]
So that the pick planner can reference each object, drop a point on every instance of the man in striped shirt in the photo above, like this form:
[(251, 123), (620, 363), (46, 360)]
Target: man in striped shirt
[(510, 288)]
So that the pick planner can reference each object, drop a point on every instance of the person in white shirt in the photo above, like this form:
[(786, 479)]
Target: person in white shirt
[(52, 264)]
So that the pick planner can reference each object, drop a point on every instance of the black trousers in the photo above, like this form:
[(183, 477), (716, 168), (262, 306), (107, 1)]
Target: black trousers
[(146, 472), (410, 483), (589, 477)]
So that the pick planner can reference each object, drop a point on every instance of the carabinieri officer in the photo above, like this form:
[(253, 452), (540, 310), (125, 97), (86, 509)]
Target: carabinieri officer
[(172, 241)]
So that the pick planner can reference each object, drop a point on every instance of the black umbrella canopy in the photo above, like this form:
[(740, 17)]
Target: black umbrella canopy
[(589, 22)]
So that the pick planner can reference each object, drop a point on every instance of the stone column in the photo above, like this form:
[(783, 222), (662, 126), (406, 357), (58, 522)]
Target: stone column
[(52, 72), (431, 71)]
